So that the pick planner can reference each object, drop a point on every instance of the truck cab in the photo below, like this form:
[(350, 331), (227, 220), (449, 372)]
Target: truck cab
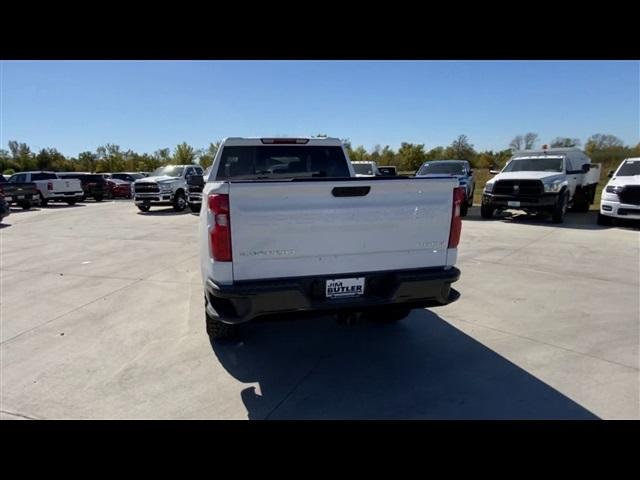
[(166, 186), (547, 181)]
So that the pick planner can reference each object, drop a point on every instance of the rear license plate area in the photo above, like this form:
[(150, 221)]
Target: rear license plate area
[(344, 287)]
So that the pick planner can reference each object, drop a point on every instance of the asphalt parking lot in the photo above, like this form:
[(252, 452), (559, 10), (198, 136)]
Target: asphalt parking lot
[(102, 317)]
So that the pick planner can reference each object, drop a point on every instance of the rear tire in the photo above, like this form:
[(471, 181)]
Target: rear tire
[(604, 220), (25, 205), (486, 211), (557, 216), (98, 198), (43, 201), (218, 330), (144, 208), (464, 209), (70, 202)]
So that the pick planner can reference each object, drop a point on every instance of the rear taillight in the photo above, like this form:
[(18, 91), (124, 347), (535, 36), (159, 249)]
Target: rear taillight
[(456, 221), (49, 186), (220, 233)]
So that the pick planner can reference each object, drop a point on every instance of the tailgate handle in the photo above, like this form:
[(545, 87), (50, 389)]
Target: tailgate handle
[(350, 191)]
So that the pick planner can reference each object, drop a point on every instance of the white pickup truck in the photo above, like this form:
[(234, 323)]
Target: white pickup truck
[(621, 195), (286, 226), (543, 181), (51, 188), (165, 186)]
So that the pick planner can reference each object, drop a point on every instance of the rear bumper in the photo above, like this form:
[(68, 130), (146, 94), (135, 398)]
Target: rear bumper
[(244, 301), (542, 202), (22, 197), (64, 196)]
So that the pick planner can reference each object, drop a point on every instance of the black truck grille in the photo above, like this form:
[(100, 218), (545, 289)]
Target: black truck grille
[(147, 188), (518, 188), (630, 194)]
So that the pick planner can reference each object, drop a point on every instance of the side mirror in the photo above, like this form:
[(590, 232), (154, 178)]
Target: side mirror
[(611, 172), (494, 172), (586, 167), (196, 180)]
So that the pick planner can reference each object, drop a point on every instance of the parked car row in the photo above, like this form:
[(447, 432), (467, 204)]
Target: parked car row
[(547, 181), (39, 188)]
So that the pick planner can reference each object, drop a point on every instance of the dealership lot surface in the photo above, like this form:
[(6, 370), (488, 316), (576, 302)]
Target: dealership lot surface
[(102, 317)]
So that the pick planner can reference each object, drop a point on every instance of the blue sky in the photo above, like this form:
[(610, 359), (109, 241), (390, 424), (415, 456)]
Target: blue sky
[(142, 105)]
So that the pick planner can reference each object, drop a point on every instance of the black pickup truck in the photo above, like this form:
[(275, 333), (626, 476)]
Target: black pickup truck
[(94, 185), (195, 185), (24, 194)]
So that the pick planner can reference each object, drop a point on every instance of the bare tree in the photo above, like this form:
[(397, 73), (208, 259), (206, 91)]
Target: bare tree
[(517, 142), (602, 141), (564, 142), (530, 140)]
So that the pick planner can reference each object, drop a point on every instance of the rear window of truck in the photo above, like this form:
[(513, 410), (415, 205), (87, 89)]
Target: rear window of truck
[(43, 176), (281, 162)]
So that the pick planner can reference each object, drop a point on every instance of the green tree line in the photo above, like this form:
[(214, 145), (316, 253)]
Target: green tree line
[(106, 158), (602, 148), (606, 149)]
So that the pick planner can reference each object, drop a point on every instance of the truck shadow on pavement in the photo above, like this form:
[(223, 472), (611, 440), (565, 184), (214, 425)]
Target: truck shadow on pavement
[(576, 220), (420, 368)]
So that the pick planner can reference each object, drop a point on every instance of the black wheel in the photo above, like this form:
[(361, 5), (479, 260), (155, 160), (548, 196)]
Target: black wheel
[(390, 315), (464, 208), (470, 202), (195, 207), (26, 205), (179, 202), (557, 216), (218, 330), (604, 220), (98, 198), (43, 201), (70, 202), (486, 211), (144, 208)]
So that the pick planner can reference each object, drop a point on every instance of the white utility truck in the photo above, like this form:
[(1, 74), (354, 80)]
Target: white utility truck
[(543, 181), (286, 226)]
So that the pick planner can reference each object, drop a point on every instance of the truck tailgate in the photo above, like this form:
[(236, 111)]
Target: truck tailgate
[(63, 185), (286, 229)]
